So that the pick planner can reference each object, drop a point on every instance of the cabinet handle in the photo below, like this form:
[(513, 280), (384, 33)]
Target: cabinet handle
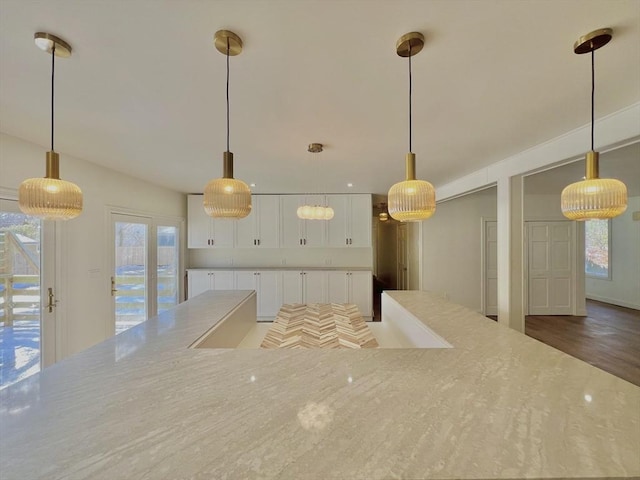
[(300, 241), (346, 241), (258, 241), (305, 241)]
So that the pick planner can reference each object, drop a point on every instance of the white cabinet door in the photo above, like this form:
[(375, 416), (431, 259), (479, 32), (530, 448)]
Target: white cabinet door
[(199, 223), (359, 221), (199, 281), (337, 235), (351, 223), (222, 280), (314, 230), (269, 293), (246, 280), (292, 286), (246, 228), (297, 232), (338, 286), (204, 231), (361, 292), (261, 228), (291, 226), (314, 286), (222, 232), (268, 221)]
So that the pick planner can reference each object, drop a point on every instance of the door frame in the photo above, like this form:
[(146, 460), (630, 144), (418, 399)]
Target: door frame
[(483, 261), (154, 220), (52, 327)]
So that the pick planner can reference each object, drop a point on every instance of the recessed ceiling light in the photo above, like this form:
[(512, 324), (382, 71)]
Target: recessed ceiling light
[(252, 185), (349, 185)]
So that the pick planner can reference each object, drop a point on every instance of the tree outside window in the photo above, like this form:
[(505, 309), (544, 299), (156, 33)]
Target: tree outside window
[(597, 240)]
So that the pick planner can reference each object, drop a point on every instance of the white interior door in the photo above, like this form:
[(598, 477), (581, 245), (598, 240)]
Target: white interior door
[(550, 268), (28, 326), (491, 267)]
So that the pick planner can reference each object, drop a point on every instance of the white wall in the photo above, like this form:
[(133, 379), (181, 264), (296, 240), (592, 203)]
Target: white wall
[(84, 294), (278, 257), (624, 287), (452, 243)]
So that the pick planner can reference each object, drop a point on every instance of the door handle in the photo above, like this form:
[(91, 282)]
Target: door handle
[(113, 287), (52, 301)]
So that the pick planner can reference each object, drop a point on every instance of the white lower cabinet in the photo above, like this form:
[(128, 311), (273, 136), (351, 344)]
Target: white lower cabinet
[(203, 280), (352, 287), (302, 286), (268, 287), (276, 287)]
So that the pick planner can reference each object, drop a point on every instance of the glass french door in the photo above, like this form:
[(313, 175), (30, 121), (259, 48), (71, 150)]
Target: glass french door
[(27, 294), (146, 263), (167, 266)]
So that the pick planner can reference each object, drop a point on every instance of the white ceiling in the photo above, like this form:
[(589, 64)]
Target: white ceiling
[(144, 91)]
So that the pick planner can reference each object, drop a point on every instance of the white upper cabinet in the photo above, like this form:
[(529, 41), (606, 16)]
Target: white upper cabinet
[(297, 232), (273, 223), (261, 228), (351, 223), (204, 231)]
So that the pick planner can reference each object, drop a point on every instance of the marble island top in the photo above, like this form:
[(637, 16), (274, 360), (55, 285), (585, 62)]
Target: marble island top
[(496, 405)]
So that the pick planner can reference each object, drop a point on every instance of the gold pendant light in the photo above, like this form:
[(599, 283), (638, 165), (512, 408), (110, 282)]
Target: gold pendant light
[(593, 197), (227, 197), (412, 200), (51, 198)]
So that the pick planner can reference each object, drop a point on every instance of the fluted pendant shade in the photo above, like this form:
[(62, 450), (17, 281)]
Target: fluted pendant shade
[(50, 198), (594, 197), (412, 200), (227, 197)]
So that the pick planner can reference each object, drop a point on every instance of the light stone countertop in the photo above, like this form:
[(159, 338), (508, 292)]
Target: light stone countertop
[(496, 405)]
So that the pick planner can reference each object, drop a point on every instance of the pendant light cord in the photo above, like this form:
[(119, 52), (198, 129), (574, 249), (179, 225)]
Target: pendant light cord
[(53, 71), (593, 93), (227, 94), (410, 97)]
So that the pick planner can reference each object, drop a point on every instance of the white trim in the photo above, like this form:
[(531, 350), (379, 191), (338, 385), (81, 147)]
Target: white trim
[(613, 301)]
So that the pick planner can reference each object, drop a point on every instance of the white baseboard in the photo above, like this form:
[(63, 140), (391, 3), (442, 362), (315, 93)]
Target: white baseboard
[(614, 301)]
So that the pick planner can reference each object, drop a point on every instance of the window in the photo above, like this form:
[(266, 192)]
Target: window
[(597, 243)]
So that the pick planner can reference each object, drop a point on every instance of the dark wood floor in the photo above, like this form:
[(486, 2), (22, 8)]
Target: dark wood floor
[(607, 338)]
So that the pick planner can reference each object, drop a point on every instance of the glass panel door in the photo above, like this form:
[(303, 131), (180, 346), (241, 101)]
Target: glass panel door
[(23, 341), (168, 255), (129, 283)]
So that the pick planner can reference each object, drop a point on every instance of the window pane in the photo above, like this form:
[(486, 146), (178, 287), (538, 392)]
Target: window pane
[(167, 268), (131, 274), (19, 295), (596, 240)]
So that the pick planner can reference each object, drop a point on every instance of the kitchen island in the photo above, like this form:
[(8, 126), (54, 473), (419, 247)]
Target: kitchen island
[(143, 405)]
